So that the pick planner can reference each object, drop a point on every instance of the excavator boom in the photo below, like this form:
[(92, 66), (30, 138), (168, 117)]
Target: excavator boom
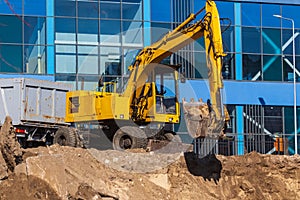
[(212, 115)]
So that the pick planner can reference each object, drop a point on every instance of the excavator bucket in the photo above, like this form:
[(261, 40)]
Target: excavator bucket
[(196, 115), (201, 121)]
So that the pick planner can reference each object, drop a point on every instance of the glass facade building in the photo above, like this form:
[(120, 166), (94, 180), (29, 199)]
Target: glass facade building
[(77, 41)]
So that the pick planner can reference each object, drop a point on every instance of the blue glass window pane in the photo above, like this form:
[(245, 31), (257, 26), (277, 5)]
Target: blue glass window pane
[(110, 61), (110, 31), (271, 41), (287, 41), (201, 70), (35, 7), (65, 8), (11, 29), (36, 32), (128, 58), (288, 72), (87, 82), (161, 10), (228, 38), (65, 63), (132, 11), (68, 49), (35, 59), (88, 9), (9, 62), (64, 30), (268, 10), (226, 10), (158, 30), (251, 40), (110, 10), (291, 12), (88, 59), (272, 70), (228, 69), (132, 33), (251, 67), (87, 31), (199, 45), (65, 59), (11, 7), (250, 14)]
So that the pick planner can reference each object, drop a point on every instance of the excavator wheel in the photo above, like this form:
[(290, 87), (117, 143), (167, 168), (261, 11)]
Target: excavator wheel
[(129, 137), (65, 136)]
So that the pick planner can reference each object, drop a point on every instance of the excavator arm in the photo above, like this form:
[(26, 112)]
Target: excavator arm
[(202, 119)]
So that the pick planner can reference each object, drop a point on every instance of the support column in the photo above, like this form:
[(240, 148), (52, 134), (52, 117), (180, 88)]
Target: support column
[(239, 76), (50, 36), (147, 24), (240, 130)]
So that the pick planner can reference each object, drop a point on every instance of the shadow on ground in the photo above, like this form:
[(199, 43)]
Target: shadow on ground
[(209, 167)]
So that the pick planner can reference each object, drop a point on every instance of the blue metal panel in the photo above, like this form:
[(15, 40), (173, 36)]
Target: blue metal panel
[(50, 36), (147, 10), (260, 93), (194, 89), (244, 92), (239, 67), (39, 77), (238, 43), (147, 25)]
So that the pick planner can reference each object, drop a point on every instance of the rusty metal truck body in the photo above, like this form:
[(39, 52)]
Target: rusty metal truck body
[(37, 108)]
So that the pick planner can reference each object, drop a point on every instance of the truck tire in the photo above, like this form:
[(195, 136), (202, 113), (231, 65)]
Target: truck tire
[(129, 137), (65, 136)]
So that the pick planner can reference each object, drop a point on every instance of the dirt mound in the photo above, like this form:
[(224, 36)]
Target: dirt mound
[(58, 172), (10, 150), (20, 186), (73, 173)]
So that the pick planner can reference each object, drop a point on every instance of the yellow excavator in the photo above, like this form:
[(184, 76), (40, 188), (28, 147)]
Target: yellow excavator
[(146, 106)]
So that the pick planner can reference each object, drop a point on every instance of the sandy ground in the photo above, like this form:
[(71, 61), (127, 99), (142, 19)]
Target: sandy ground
[(57, 172)]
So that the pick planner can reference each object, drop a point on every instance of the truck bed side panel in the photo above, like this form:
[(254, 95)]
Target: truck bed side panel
[(30, 101)]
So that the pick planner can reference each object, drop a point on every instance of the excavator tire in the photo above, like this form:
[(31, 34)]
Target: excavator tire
[(65, 136), (129, 137)]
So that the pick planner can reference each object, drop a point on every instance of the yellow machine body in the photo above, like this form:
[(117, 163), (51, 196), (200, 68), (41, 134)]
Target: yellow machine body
[(144, 99)]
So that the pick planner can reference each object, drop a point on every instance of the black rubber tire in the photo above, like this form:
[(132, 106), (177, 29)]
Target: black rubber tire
[(129, 137), (172, 137), (65, 136)]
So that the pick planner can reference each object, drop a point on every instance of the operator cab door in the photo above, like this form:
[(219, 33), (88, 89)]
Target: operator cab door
[(166, 90)]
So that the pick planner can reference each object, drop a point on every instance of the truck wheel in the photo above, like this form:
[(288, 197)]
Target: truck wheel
[(172, 137), (129, 137), (65, 136)]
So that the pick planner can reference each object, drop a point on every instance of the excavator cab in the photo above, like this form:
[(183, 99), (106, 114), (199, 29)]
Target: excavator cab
[(156, 99)]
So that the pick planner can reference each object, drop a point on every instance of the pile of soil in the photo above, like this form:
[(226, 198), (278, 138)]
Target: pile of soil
[(10, 150), (57, 172)]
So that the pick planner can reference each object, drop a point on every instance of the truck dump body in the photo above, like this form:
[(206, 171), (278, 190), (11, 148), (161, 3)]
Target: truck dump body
[(33, 102)]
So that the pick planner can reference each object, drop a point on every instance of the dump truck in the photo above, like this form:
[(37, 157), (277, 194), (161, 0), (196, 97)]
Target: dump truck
[(37, 109), (147, 105)]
